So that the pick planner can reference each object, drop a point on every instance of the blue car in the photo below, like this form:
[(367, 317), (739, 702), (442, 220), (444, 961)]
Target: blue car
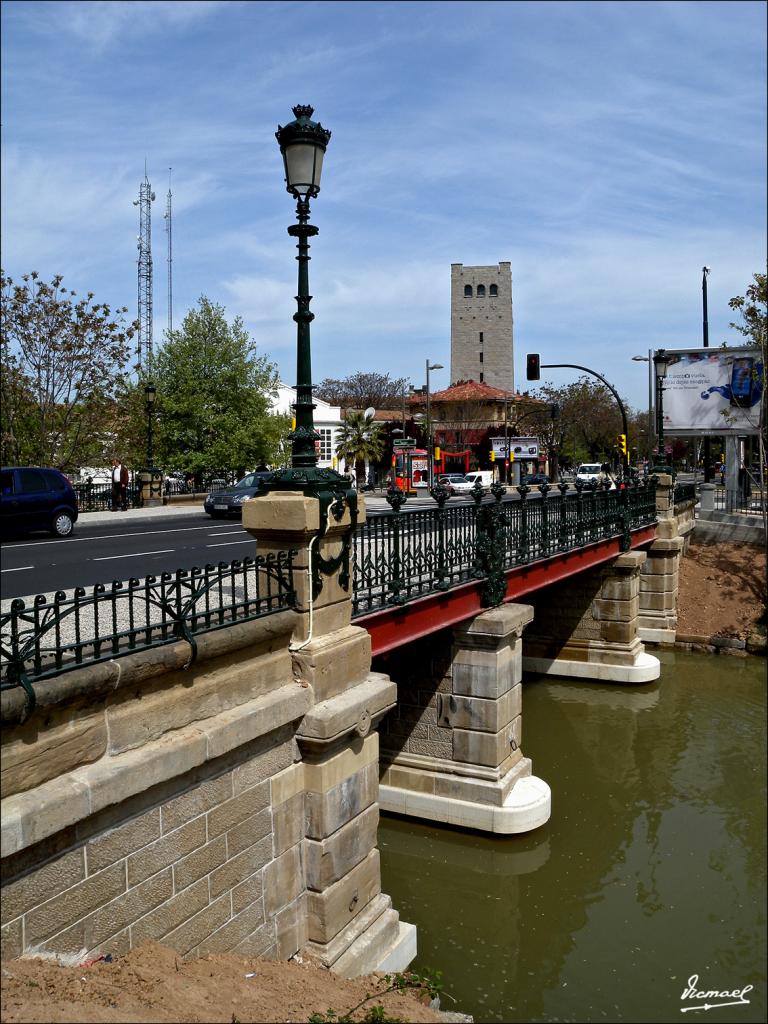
[(32, 498)]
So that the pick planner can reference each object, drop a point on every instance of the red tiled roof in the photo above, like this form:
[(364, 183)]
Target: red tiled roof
[(473, 391)]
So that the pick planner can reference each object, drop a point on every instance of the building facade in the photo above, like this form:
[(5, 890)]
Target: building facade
[(327, 420), (481, 325)]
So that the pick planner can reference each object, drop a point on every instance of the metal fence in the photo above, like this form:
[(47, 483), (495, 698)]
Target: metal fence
[(402, 555), (47, 638), (98, 497), (749, 499), (685, 492)]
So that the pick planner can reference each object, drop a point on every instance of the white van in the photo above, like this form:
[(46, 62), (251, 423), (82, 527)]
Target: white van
[(485, 476), (588, 472)]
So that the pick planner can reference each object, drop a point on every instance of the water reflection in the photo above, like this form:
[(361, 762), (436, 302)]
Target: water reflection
[(651, 868)]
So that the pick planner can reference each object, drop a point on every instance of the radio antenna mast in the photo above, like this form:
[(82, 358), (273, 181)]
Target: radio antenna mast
[(144, 245), (169, 232)]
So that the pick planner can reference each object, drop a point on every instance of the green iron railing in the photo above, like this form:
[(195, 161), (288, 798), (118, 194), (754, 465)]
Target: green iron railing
[(48, 637), (401, 555), (685, 492)]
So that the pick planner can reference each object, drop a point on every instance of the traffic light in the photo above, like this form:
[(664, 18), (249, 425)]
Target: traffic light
[(532, 366), (438, 453), (492, 455), (621, 443)]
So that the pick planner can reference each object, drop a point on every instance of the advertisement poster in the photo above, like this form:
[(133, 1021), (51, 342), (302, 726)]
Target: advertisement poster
[(713, 391), (519, 447)]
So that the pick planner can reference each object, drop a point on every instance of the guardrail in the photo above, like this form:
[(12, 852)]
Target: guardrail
[(399, 556), (47, 638)]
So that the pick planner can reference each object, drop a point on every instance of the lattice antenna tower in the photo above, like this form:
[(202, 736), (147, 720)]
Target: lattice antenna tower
[(169, 233), (144, 245)]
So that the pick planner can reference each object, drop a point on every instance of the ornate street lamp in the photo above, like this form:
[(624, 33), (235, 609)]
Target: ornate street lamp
[(150, 394), (660, 364), (430, 439), (303, 143)]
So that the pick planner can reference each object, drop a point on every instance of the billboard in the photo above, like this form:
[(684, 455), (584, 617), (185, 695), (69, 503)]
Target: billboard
[(713, 391), (519, 447)]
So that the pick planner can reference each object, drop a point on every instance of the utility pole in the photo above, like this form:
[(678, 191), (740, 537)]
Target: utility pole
[(708, 474), (169, 233)]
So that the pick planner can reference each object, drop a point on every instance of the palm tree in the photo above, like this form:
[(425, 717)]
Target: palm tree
[(359, 441)]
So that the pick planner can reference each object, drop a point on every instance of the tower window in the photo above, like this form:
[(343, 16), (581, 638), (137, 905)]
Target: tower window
[(481, 291), (481, 357), (494, 291), (467, 291), (481, 337), (481, 378)]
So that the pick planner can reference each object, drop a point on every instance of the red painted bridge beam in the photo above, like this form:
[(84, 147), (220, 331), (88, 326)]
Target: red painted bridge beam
[(399, 624)]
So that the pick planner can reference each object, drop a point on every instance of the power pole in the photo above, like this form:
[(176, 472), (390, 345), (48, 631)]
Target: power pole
[(144, 344), (169, 233), (708, 474)]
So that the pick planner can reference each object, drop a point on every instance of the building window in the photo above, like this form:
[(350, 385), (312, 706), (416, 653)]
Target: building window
[(494, 291), (481, 291), (481, 337), (481, 378), (481, 357), (326, 443), (467, 291)]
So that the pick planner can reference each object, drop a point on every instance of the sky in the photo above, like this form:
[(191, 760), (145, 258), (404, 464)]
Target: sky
[(607, 150)]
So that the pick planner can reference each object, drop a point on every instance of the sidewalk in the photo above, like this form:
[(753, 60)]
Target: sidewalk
[(139, 514)]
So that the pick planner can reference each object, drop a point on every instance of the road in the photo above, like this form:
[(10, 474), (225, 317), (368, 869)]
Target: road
[(102, 552)]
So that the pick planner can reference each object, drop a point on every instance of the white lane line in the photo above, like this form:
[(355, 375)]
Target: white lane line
[(133, 554), (21, 568), (231, 533), (229, 543), (107, 536)]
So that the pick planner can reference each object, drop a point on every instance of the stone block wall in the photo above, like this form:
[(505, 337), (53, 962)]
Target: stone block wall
[(488, 315)]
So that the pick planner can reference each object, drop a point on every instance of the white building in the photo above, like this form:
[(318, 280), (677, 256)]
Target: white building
[(327, 424)]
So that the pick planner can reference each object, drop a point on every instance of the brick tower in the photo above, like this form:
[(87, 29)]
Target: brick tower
[(481, 325)]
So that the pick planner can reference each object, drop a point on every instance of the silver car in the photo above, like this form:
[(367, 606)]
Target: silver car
[(456, 483)]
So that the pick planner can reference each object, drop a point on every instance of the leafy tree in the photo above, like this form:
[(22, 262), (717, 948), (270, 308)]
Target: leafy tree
[(63, 362), (588, 424), (363, 390), (359, 441), (214, 397)]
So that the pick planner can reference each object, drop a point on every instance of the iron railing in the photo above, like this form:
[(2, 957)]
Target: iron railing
[(685, 492), (98, 497), (748, 498), (48, 637), (400, 555)]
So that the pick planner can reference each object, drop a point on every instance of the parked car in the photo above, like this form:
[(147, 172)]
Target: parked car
[(35, 498), (229, 500), (536, 478), (588, 472), (456, 483)]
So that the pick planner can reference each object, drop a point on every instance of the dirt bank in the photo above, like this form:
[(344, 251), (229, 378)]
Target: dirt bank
[(722, 590), (152, 984)]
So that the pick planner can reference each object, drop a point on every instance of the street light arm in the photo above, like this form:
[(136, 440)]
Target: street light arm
[(586, 369)]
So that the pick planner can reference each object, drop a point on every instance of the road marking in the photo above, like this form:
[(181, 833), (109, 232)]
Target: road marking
[(230, 534), (134, 554), (229, 543), (106, 536), (21, 568)]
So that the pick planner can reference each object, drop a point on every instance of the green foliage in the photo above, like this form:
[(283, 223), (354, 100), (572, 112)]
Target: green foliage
[(64, 362), (359, 441), (214, 396)]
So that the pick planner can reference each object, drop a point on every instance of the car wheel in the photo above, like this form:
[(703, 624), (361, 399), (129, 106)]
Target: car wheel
[(62, 524)]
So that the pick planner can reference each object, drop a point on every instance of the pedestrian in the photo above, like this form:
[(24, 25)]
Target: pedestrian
[(120, 478)]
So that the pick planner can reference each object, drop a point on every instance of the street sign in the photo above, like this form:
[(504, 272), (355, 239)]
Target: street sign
[(405, 442)]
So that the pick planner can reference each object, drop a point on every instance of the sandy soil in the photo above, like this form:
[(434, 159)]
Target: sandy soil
[(152, 984), (722, 590)]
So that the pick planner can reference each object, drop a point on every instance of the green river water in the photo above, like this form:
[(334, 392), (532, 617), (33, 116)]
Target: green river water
[(650, 870)]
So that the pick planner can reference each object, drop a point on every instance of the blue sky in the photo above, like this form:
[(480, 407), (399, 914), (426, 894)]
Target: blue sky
[(608, 150)]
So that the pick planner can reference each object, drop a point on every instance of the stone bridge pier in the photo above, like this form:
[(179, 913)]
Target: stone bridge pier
[(451, 749)]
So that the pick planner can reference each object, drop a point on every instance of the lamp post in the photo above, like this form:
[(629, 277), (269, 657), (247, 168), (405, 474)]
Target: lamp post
[(648, 359), (150, 394), (430, 454), (660, 362)]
